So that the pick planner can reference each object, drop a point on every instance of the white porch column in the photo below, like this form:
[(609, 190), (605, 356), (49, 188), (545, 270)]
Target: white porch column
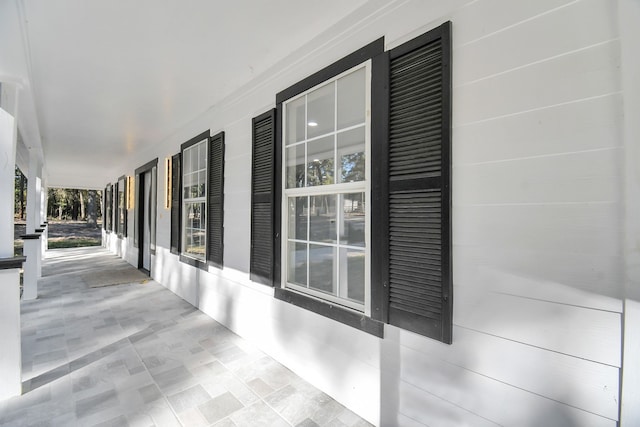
[(629, 16), (34, 183), (42, 228), (10, 354), (32, 246), (44, 241)]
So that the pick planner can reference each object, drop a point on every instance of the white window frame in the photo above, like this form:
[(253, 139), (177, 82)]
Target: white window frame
[(121, 207), (186, 200), (332, 189)]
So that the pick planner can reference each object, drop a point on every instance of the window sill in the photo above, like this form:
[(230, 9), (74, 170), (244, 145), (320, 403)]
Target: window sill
[(202, 265), (332, 311)]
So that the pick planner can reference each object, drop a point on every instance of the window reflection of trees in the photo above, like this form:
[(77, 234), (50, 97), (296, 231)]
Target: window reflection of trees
[(353, 167), (320, 172)]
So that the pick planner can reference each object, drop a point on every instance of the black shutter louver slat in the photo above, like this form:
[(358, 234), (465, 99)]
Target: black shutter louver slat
[(418, 200), (176, 174), (262, 194), (215, 201)]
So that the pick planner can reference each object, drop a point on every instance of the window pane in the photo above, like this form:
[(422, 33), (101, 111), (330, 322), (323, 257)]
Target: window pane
[(187, 186), (320, 165), (196, 211), (322, 261), (351, 99), (202, 156), (322, 217), (352, 274), (351, 147), (324, 143), (353, 216), (195, 190), (193, 153), (295, 166), (321, 111), (297, 262), (194, 230), (202, 179), (188, 238), (295, 121), (298, 218), (186, 161)]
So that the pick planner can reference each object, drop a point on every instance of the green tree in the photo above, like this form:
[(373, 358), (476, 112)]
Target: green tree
[(92, 209), (20, 187)]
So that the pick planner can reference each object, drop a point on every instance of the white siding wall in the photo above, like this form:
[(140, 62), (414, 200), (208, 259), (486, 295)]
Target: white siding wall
[(537, 157)]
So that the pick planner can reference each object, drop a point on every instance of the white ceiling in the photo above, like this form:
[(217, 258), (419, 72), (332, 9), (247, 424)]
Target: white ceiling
[(111, 77)]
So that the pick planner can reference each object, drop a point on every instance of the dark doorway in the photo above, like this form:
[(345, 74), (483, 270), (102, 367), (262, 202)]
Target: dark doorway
[(146, 207)]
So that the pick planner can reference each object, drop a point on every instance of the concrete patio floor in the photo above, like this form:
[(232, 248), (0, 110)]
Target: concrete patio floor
[(138, 355)]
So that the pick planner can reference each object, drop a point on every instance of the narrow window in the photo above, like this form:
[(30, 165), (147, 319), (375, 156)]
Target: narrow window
[(326, 144), (106, 223), (108, 195), (194, 199), (121, 208)]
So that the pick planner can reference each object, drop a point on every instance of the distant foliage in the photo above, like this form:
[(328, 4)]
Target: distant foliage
[(62, 204), (73, 204), (20, 193)]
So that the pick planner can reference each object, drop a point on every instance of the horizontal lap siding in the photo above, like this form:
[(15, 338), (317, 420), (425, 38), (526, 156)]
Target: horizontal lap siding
[(551, 34), (461, 382), (576, 76), (590, 124), (536, 224)]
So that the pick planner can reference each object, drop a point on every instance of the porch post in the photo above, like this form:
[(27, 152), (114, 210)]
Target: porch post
[(45, 224), (34, 182), (42, 216), (10, 356), (32, 244)]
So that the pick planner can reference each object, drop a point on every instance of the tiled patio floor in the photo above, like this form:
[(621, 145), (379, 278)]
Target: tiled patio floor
[(137, 355)]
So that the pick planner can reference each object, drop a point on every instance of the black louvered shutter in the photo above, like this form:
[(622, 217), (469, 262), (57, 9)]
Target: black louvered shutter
[(109, 207), (262, 193), (114, 223), (114, 208), (215, 201), (105, 209), (136, 209), (176, 175), (419, 201), (125, 213)]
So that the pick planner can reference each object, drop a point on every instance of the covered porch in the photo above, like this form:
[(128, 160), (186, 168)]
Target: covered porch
[(426, 209), (136, 354)]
